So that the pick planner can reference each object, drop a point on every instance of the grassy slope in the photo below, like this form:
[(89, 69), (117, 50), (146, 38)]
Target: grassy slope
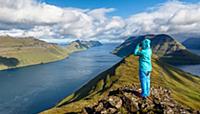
[(184, 86), (30, 51)]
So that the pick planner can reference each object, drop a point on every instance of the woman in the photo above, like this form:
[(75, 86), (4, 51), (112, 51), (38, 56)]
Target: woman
[(144, 52)]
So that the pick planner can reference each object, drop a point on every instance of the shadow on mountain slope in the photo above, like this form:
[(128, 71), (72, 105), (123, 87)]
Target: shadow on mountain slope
[(9, 62), (181, 57)]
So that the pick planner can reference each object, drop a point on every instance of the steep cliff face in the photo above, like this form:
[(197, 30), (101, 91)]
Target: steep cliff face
[(184, 87), (192, 43), (164, 46)]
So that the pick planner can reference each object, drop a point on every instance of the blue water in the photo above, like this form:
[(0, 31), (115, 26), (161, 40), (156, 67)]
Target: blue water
[(196, 51), (30, 90), (193, 69)]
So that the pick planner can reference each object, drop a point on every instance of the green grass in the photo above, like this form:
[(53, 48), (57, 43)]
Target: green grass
[(184, 86), (20, 52), (35, 55)]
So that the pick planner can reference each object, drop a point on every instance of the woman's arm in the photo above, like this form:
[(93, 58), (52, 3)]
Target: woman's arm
[(137, 51)]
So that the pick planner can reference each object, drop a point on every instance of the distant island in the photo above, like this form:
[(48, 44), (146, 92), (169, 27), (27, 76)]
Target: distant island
[(20, 52), (116, 90), (192, 43), (79, 44)]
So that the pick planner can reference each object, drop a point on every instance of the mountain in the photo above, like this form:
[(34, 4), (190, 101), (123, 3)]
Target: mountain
[(79, 45), (192, 43), (20, 52), (164, 46), (88, 44), (184, 87)]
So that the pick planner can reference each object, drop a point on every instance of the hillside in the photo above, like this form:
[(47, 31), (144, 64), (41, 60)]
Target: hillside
[(192, 43), (164, 46), (20, 52), (184, 87)]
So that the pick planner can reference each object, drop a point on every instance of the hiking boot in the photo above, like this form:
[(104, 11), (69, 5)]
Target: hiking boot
[(144, 99)]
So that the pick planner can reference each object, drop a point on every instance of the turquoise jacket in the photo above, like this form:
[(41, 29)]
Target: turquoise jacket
[(144, 55)]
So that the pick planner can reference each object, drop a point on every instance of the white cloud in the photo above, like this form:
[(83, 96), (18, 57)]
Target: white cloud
[(171, 17), (44, 21)]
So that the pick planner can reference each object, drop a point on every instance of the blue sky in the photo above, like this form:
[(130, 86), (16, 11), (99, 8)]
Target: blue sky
[(124, 8), (68, 20)]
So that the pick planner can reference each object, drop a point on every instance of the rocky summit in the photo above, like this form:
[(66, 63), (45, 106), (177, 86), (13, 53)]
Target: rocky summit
[(127, 100)]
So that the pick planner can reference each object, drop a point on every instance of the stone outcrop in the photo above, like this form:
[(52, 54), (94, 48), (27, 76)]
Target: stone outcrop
[(127, 100)]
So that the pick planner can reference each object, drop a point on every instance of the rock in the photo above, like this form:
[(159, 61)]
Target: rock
[(112, 110), (115, 101), (108, 111), (168, 111), (156, 101), (88, 110), (124, 100), (104, 112), (130, 104), (99, 107)]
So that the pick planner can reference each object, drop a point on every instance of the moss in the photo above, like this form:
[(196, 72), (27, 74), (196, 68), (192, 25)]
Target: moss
[(99, 85), (122, 110), (108, 81)]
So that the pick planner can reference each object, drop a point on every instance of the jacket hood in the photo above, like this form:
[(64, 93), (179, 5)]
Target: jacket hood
[(146, 44)]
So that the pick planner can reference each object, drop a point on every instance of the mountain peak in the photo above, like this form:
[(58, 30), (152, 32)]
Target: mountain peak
[(164, 46)]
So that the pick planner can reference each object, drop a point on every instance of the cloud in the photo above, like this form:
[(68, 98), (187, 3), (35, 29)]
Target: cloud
[(172, 17), (47, 22), (29, 12), (41, 20)]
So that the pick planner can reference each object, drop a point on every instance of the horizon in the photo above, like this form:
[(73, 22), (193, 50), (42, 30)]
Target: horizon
[(105, 21)]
